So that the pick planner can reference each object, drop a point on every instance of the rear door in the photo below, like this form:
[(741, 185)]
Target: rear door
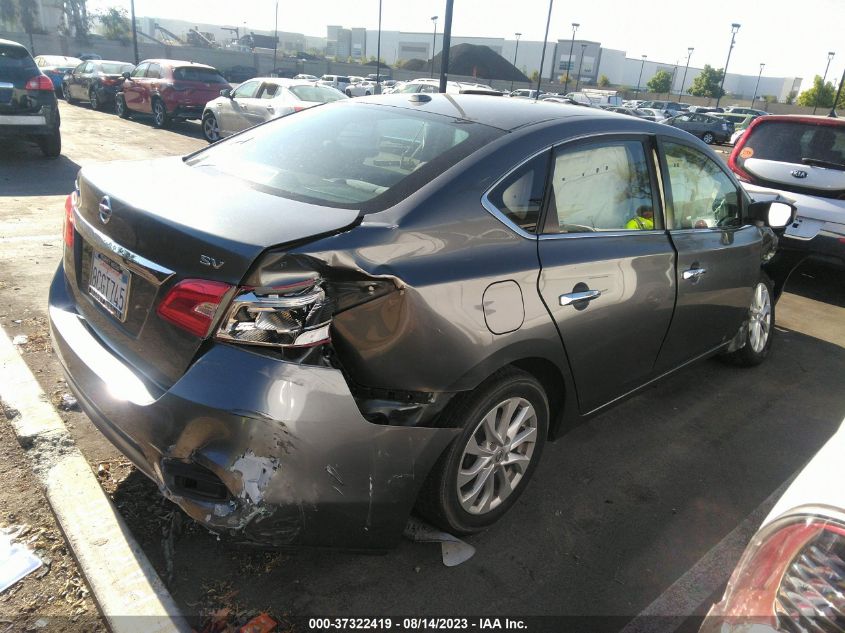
[(609, 288), (719, 254)]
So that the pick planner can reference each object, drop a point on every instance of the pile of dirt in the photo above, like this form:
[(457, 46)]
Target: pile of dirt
[(474, 61)]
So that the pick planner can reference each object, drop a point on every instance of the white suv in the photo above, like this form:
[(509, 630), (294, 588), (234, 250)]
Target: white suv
[(801, 158)]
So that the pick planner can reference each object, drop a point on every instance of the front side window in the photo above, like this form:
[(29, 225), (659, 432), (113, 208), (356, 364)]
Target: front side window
[(519, 197), (140, 70), (602, 187), (269, 91), (246, 90), (154, 71), (317, 94), (702, 195)]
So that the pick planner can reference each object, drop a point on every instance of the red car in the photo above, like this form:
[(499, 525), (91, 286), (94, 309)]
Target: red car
[(169, 90)]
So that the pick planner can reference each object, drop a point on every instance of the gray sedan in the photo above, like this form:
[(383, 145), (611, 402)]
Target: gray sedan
[(303, 332), (259, 100), (706, 127)]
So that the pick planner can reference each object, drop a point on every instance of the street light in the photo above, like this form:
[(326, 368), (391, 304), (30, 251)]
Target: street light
[(134, 32), (637, 94), (514, 56), (836, 98), (378, 53), (684, 80), (826, 68), (543, 56), (575, 26), (433, 44), (275, 36), (580, 61), (734, 29), (754, 98)]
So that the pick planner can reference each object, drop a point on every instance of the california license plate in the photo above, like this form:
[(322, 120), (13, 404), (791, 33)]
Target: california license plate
[(109, 285)]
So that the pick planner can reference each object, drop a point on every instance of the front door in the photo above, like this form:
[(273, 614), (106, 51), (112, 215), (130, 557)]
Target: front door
[(233, 114), (607, 265), (132, 88), (718, 253)]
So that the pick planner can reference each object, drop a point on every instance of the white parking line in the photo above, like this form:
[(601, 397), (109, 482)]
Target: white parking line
[(712, 570)]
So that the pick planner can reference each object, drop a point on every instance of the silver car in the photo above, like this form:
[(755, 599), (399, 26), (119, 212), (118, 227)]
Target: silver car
[(259, 100)]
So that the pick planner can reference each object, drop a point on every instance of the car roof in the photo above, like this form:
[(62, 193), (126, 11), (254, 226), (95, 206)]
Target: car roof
[(109, 61), (504, 114), (817, 119), (175, 63), (11, 43)]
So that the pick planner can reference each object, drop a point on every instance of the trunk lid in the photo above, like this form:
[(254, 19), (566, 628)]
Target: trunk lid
[(167, 221)]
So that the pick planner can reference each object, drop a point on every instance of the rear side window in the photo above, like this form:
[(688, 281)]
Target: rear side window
[(192, 73), (319, 94), (800, 143), (347, 156), (519, 197), (16, 58)]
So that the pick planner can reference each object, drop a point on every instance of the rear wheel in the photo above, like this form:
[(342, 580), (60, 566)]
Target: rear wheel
[(160, 117), (66, 93), (120, 108), (210, 128), (51, 146), (758, 327), (480, 476), (94, 100), (708, 138)]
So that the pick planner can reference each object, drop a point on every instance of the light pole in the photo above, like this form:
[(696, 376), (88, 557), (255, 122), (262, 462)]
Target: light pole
[(684, 80), (754, 98), (445, 46), (433, 44), (637, 94), (734, 29), (275, 35), (836, 98), (515, 50), (580, 61), (134, 32), (826, 68), (378, 53), (575, 26), (543, 56)]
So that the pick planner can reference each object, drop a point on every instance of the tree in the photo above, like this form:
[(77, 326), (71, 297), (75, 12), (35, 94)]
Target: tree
[(824, 93), (116, 25), (23, 12), (660, 83), (790, 98), (535, 76), (604, 82), (706, 83), (78, 18)]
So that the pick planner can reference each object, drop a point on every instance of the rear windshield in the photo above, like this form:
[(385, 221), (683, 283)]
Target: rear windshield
[(116, 69), (16, 58), (348, 156), (192, 73), (320, 94), (799, 143)]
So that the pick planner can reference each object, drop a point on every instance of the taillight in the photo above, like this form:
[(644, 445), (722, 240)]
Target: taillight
[(293, 316), (71, 203), (791, 574), (299, 108), (40, 82), (109, 81), (192, 303)]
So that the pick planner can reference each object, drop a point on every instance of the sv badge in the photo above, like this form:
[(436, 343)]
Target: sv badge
[(208, 260)]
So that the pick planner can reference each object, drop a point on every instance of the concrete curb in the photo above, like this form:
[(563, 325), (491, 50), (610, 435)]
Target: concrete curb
[(126, 588)]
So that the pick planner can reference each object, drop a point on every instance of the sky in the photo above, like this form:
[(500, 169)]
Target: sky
[(792, 38)]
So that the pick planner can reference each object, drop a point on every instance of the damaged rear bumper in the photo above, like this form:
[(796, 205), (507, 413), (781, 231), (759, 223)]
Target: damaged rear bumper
[(265, 450)]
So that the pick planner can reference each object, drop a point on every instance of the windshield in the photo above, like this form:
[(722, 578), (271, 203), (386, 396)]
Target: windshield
[(192, 73), (800, 143), (350, 156), (319, 94)]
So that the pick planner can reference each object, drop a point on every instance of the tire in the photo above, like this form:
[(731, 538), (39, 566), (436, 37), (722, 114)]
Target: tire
[(94, 100), (120, 108), (66, 94), (210, 127), (51, 146), (708, 138), (349, 93), (161, 119), (465, 491), (759, 327)]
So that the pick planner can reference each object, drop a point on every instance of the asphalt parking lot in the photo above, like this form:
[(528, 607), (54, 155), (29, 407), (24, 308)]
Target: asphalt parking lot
[(620, 509)]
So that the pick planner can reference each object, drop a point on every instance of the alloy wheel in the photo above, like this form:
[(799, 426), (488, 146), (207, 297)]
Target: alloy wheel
[(708, 138), (95, 103), (210, 128), (65, 93), (159, 114), (497, 455), (760, 318)]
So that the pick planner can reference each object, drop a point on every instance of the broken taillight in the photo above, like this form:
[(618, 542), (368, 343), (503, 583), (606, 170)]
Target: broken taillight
[(192, 303), (298, 315)]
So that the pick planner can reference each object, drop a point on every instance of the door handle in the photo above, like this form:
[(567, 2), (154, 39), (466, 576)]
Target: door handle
[(573, 297), (694, 273), (270, 109)]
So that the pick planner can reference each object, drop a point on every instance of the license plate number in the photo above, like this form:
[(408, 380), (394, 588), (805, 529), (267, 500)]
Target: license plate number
[(109, 285)]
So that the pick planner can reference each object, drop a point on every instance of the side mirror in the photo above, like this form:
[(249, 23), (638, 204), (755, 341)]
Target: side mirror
[(773, 213), (127, 76), (226, 92)]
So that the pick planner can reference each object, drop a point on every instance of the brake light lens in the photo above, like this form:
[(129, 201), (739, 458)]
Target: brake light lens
[(110, 81), (192, 303), (41, 82), (792, 572), (71, 202)]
